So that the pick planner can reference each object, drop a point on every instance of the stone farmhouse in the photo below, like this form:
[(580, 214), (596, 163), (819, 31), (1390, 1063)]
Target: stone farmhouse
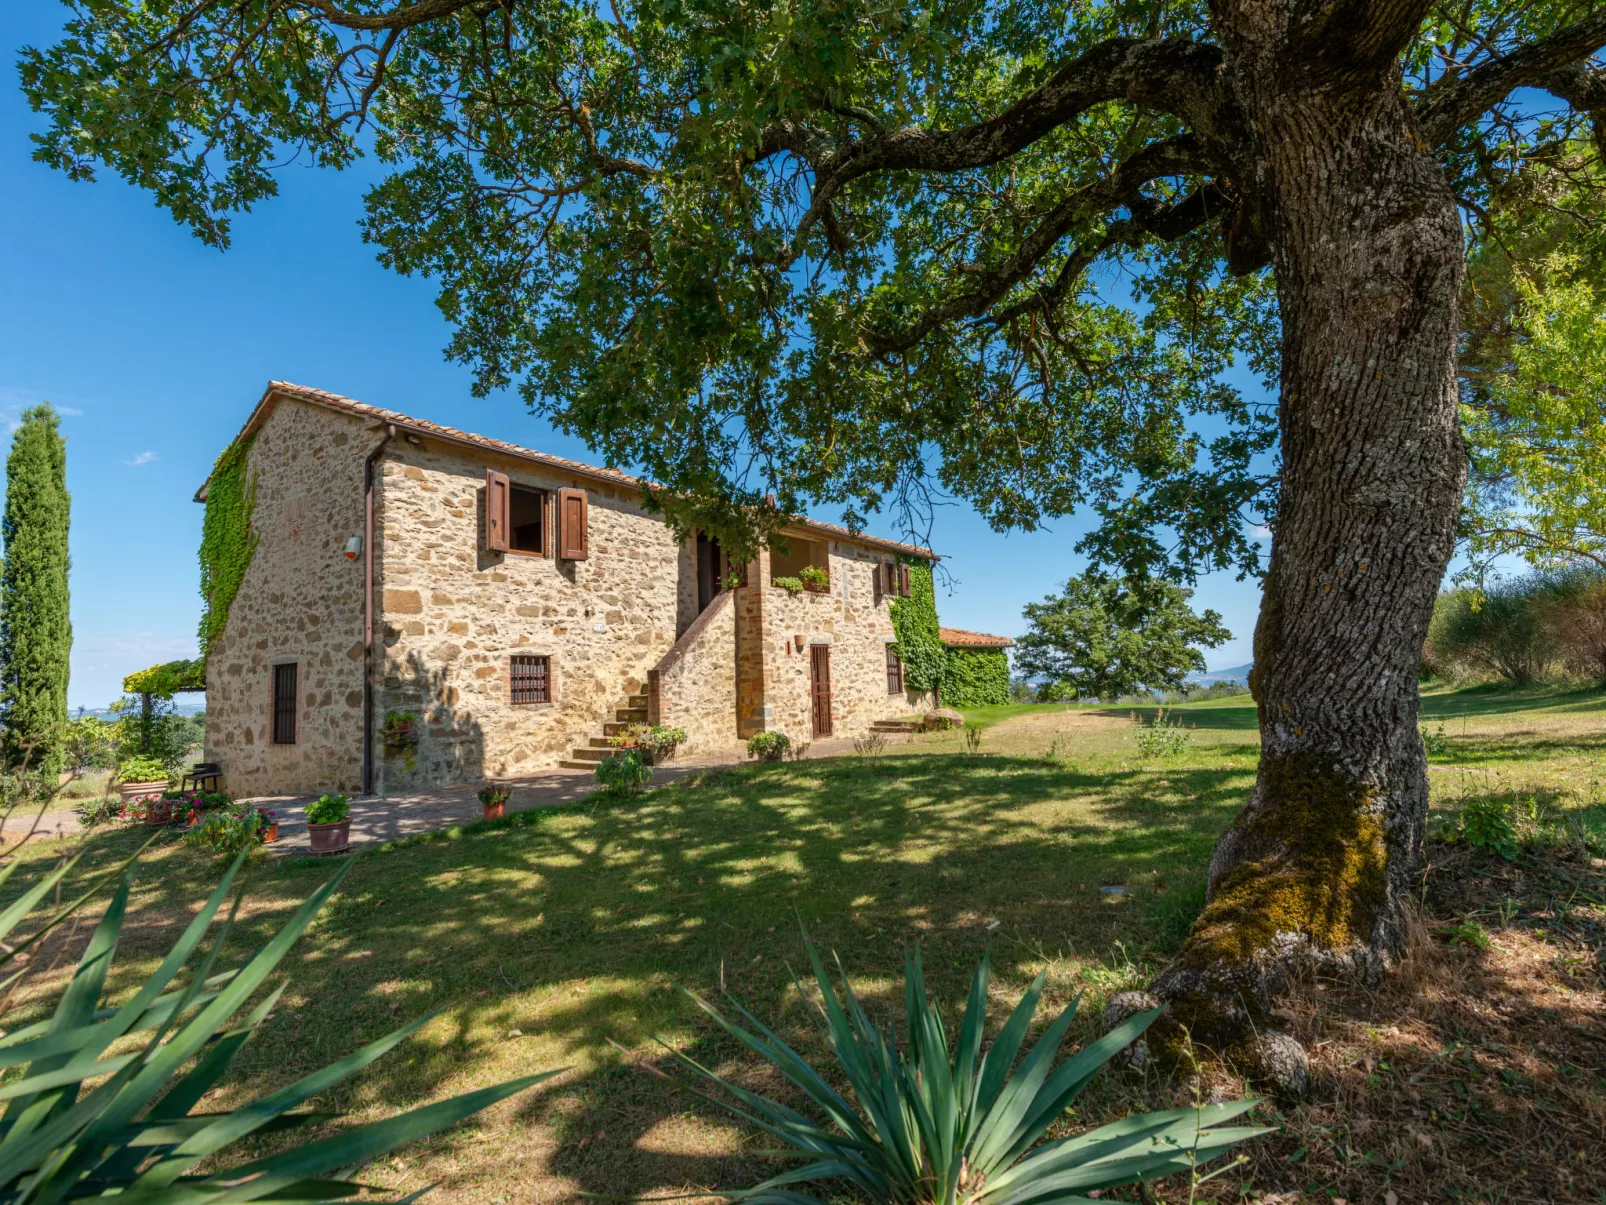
[(425, 606)]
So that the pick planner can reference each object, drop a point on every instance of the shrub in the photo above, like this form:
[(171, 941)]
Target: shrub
[(1163, 736), (142, 769), (624, 773), (929, 1125), (123, 1126), (328, 809), (1466, 932), (1489, 822), (101, 810), (1435, 742), (768, 746), (231, 830), (973, 741), (792, 585), (1501, 630)]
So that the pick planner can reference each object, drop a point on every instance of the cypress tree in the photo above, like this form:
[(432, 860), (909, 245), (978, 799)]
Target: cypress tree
[(35, 627)]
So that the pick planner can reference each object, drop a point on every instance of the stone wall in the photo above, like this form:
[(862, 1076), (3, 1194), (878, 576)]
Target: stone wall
[(852, 621), (694, 686), (302, 601), (453, 615)]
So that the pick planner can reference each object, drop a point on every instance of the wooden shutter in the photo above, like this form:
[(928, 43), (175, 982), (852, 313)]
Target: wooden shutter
[(884, 583), (572, 522), (498, 510), (903, 581)]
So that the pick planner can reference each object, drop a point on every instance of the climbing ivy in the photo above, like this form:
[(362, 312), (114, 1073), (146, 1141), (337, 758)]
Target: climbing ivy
[(975, 677), (227, 540), (914, 620)]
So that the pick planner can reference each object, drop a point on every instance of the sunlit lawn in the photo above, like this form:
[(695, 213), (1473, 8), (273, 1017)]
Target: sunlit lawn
[(543, 940)]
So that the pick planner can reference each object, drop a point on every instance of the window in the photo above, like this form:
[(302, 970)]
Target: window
[(284, 704), (527, 520), (530, 680), (894, 672)]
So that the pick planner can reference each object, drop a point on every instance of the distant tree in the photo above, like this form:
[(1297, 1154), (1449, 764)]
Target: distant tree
[(1105, 637), (1574, 601), (35, 628)]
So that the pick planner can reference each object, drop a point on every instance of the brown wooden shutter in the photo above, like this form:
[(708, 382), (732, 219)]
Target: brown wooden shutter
[(886, 581), (903, 581), (572, 523), (498, 510)]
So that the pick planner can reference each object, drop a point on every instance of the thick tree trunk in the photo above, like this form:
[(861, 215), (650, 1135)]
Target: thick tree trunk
[(1366, 243)]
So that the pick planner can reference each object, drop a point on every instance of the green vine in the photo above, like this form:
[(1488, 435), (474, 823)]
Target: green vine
[(976, 678), (227, 540), (167, 679), (914, 620)]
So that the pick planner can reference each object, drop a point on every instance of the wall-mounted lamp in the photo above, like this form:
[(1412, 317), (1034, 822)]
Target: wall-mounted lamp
[(353, 548)]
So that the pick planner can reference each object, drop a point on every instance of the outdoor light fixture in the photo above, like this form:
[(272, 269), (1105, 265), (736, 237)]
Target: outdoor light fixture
[(353, 548)]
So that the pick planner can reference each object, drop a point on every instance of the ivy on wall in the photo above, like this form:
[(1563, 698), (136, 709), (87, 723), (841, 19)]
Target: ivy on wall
[(227, 540), (975, 677), (914, 621)]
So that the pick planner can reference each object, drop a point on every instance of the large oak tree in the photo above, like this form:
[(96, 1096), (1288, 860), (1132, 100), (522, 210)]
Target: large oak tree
[(841, 250)]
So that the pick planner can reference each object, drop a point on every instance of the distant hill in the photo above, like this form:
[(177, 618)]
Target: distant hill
[(103, 713), (1233, 673)]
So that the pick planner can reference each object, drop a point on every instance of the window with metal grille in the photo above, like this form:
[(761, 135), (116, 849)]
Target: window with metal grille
[(894, 673), (530, 679), (284, 704)]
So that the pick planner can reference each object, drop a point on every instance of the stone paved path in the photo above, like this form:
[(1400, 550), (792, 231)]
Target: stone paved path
[(375, 820)]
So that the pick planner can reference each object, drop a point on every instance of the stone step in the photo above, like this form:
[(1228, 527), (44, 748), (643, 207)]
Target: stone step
[(577, 765), (886, 726), (636, 701), (611, 727), (599, 742), (636, 715), (590, 755)]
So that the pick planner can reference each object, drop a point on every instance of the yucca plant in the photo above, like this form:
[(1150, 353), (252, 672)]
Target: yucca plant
[(96, 1108), (935, 1126)]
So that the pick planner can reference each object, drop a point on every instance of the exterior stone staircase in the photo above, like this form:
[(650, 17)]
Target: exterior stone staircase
[(596, 748), (897, 727)]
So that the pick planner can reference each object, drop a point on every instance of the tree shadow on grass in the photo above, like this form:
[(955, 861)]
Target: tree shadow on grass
[(573, 926)]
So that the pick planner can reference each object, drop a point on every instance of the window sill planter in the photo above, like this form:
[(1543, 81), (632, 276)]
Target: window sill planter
[(330, 838), (130, 791)]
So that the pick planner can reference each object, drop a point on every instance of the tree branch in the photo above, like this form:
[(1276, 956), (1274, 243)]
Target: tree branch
[(1170, 157), (401, 17), (1454, 101), (1584, 89)]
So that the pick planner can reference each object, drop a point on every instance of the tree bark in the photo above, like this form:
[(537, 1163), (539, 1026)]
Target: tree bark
[(1366, 242)]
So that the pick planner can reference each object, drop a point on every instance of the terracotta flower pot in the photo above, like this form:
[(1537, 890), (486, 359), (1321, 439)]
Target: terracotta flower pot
[(493, 811), (130, 791), (271, 833), (330, 838), (195, 818), (157, 815)]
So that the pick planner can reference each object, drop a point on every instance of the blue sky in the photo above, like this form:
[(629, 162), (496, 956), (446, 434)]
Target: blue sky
[(155, 348)]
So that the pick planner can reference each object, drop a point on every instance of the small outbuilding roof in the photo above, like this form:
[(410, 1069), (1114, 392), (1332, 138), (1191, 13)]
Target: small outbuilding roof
[(959, 638), (423, 427)]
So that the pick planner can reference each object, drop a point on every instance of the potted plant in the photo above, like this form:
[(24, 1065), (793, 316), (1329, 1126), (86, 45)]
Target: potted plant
[(768, 746), (141, 778), (267, 825), (814, 579), (494, 800), (329, 824), (655, 743)]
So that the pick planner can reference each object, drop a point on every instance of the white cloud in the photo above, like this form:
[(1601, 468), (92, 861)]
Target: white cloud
[(70, 411), (142, 458), (1259, 531)]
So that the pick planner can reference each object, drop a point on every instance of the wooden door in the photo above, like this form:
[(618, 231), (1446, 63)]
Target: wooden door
[(820, 687)]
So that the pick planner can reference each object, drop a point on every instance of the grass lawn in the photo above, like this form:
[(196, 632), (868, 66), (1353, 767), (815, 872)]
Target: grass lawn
[(543, 939)]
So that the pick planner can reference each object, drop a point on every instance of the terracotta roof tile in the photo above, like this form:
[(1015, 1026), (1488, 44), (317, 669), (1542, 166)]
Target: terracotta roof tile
[(335, 401), (960, 638)]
